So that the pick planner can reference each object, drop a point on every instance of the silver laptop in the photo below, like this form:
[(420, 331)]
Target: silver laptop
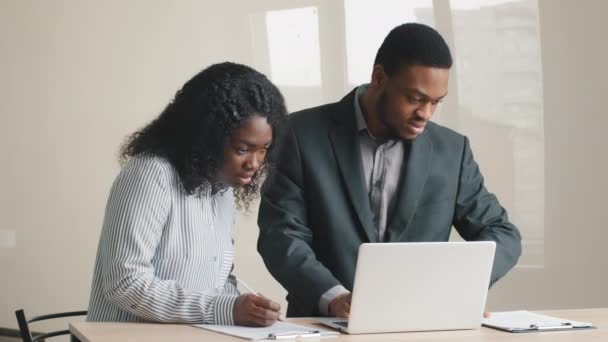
[(418, 286)]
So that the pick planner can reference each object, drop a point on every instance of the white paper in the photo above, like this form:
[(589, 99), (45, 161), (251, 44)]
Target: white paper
[(264, 332), (525, 320)]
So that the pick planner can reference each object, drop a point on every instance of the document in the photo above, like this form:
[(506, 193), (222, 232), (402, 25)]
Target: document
[(277, 331), (526, 321)]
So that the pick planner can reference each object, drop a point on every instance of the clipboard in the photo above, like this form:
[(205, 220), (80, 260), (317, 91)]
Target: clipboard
[(277, 331), (525, 321)]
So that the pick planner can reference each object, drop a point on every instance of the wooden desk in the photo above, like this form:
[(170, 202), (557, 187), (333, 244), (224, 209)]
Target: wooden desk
[(110, 332)]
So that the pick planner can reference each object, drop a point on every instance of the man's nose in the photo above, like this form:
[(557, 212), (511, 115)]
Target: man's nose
[(426, 110)]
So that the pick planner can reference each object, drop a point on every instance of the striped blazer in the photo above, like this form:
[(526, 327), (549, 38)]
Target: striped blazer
[(163, 256)]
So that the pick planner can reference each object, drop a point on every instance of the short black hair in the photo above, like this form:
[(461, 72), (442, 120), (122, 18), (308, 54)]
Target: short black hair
[(194, 128), (413, 44)]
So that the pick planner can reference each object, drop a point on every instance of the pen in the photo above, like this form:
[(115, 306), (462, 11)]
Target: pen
[(288, 336), (551, 327), (252, 291), (247, 287)]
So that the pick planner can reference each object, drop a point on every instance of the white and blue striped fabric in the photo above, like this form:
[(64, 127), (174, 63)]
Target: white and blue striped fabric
[(163, 256)]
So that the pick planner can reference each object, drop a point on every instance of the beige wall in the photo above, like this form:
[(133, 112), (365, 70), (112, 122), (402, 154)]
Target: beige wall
[(78, 76), (576, 164)]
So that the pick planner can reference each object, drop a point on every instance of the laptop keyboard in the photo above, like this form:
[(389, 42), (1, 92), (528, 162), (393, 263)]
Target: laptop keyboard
[(342, 324)]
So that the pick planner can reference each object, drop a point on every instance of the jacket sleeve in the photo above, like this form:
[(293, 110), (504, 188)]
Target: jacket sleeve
[(479, 216), (137, 210), (285, 238)]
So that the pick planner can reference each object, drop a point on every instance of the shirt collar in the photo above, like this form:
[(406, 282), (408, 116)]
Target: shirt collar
[(359, 117)]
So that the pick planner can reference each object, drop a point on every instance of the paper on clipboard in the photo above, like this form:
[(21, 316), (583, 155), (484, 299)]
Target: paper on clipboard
[(277, 331), (526, 321)]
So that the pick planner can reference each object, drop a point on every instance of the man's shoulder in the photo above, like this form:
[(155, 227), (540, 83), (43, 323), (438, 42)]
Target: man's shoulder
[(438, 131), (314, 114), (443, 137), (321, 117), (315, 119)]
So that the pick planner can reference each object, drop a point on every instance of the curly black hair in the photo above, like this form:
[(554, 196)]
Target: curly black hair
[(194, 128), (411, 44)]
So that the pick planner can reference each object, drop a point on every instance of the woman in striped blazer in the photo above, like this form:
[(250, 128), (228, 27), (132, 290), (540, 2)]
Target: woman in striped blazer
[(166, 250)]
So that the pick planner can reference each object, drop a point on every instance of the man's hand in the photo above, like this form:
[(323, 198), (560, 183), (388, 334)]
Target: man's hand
[(340, 306), (487, 314), (255, 310)]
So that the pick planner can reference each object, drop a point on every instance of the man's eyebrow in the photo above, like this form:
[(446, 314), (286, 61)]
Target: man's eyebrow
[(418, 92)]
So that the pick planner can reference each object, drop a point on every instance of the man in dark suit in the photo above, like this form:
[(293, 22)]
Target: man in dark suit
[(373, 168)]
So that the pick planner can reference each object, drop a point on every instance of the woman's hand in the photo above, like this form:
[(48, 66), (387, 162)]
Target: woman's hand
[(255, 310)]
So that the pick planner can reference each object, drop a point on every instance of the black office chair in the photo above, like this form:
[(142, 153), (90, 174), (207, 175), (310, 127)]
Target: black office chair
[(25, 329)]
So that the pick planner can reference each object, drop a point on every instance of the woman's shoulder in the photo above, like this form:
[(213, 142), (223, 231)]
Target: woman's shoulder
[(148, 167)]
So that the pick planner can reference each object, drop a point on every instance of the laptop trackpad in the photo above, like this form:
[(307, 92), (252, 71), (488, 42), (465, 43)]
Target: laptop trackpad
[(334, 322)]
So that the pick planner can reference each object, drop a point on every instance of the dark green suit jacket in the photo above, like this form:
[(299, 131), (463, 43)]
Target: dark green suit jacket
[(315, 209)]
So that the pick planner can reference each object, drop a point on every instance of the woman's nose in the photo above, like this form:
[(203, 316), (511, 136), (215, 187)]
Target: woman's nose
[(253, 162)]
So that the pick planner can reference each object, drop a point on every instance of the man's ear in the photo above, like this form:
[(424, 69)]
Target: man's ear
[(379, 77)]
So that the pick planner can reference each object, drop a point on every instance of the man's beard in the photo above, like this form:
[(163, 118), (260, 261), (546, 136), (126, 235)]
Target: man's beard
[(381, 108)]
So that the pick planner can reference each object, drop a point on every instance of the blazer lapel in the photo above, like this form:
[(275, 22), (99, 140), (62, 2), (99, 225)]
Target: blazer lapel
[(346, 148), (417, 170)]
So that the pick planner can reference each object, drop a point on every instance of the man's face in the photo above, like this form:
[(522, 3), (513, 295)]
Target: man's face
[(245, 151), (408, 99)]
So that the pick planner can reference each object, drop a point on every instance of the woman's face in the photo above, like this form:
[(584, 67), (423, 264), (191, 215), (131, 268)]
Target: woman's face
[(246, 150)]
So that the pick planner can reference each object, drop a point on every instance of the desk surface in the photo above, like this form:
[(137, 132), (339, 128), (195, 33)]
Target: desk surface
[(102, 332)]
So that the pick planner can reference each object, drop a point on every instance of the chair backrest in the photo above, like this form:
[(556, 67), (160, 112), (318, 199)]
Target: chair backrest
[(24, 327)]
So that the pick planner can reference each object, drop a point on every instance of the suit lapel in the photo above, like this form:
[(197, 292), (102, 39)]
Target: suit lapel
[(417, 170), (348, 155)]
